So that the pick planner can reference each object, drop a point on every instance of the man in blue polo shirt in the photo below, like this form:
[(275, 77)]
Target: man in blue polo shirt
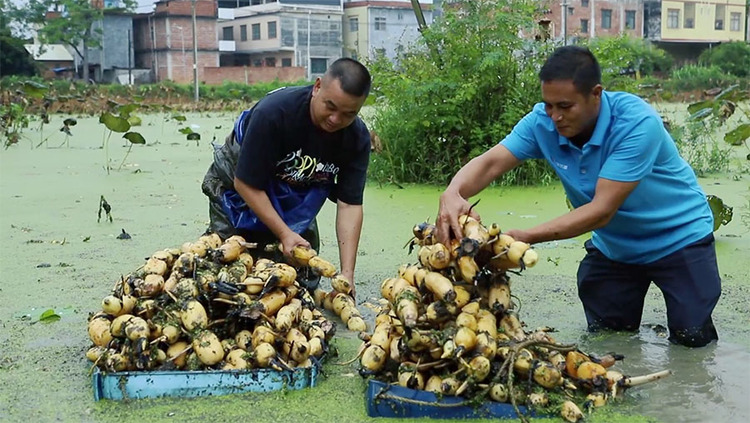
[(622, 172)]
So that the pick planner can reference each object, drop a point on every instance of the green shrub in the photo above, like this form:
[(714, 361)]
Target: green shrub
[(693, 77), (732, 58), (457, 93), (246, 92), (623, 54)]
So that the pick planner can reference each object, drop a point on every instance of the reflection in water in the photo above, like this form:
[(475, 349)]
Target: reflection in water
[(708, 384)]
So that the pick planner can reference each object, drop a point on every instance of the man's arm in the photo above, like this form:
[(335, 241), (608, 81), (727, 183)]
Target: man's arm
[(631, 160), (260, 204), (608, 198), (470, 180), (348, 231)]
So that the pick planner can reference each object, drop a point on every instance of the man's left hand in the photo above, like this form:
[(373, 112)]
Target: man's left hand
[(350, 278)]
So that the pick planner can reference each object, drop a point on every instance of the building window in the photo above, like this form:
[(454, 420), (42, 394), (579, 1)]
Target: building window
[(318, 65), (571, 10), (257, 63), (606, 18), (272, 29), (689, 15), (243, 32), (673, 18), (227, 33), (379, 24), (584, 25), (286, 62), (241, 60), (720, 16), (271, 62), (584, 3), (400, 16), (353, 24), (630, 19), (256, 31), (734, 21)]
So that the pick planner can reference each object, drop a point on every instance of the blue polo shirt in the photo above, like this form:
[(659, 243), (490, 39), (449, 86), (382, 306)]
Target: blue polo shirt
[(664, 213)]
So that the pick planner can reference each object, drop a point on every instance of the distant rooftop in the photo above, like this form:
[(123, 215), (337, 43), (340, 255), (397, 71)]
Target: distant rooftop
[(49, 52)]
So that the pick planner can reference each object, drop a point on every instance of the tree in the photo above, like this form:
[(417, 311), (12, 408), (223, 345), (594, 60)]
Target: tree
[(14, 60), (66, 22), (456, 92)]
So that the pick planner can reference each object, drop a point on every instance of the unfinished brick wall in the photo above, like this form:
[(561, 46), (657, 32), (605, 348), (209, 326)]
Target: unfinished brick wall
[(184, 7), (251, 75), (170, 52)]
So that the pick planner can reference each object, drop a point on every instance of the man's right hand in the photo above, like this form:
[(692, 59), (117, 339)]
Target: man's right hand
[(452, 205), (291, 239)]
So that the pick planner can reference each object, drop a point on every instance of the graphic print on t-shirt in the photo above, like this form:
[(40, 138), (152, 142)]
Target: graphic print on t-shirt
[(297, 169)]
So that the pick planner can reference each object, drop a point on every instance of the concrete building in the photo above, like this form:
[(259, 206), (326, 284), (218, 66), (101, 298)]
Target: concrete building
[(111, 34), (380, 27), (686, 28), (114, 55), (302, 34)]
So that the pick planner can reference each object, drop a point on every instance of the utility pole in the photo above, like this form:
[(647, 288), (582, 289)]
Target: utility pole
[(130, 65), (422, 26), (309, 60), (195, 56), (564, 8)]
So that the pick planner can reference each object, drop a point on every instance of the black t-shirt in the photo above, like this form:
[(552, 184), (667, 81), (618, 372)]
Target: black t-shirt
[(281, 141)]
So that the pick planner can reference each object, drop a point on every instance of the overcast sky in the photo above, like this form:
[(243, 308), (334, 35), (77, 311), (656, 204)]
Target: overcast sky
[(144, 6)]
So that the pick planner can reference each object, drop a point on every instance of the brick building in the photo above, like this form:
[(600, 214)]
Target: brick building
[(594, 18), (50, 57), (163, 40)]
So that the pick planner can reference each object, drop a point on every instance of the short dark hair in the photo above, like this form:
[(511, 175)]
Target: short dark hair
[(354, 77), (572, 63)]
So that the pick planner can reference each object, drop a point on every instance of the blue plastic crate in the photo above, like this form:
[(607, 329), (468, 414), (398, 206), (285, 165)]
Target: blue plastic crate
[(135, 385), (384, 400)]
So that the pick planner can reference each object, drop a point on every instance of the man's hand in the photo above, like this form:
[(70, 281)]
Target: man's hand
[(291, 239), (350, 277), (452, 205)]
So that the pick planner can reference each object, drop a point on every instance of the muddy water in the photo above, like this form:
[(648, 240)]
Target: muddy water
[(54, 254), (708, 384)]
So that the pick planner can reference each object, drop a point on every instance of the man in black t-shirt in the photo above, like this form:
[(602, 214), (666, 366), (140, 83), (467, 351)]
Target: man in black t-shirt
[(296, 147)]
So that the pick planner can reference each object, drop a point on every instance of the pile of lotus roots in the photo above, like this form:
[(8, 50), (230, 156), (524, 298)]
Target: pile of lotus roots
[(449, 325), (210, 305)]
